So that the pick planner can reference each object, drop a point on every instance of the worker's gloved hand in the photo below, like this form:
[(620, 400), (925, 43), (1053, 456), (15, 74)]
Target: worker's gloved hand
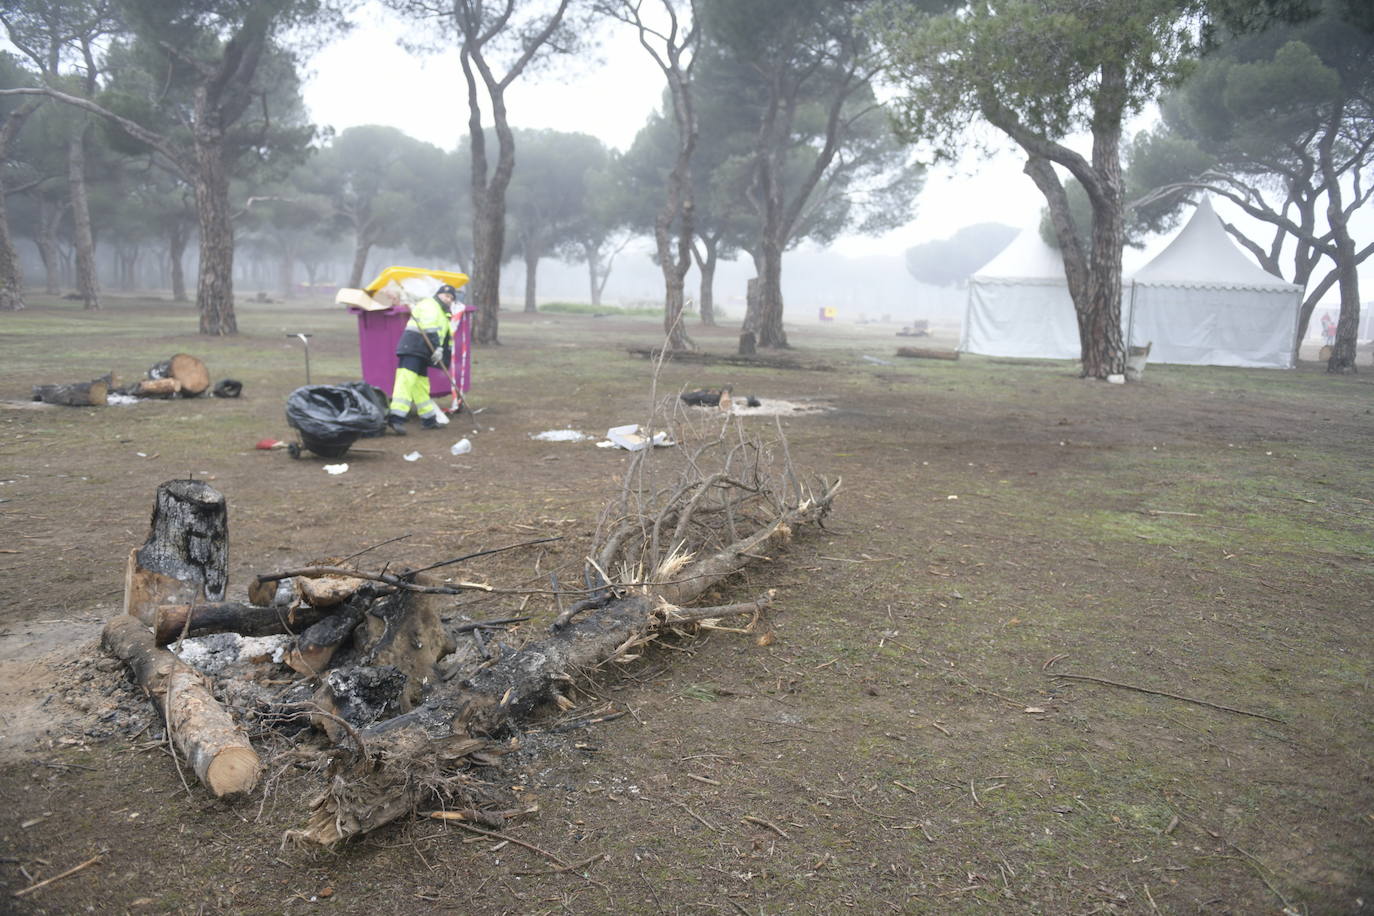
[(436, 358)]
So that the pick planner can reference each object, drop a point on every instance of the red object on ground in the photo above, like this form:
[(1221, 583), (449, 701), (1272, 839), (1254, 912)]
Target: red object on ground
[(270, 443)]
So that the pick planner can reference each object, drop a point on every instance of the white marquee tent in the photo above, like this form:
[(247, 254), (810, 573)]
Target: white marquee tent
[(1202, 302), (1019, 305)]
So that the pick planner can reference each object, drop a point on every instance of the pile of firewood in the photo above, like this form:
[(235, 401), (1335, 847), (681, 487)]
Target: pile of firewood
[(183, 375), (409, 700)]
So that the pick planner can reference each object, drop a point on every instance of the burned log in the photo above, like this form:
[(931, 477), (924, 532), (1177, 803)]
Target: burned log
[(173, 621), (94, 393), (184, 559), (188, 371), (200, 728), (315, 648)]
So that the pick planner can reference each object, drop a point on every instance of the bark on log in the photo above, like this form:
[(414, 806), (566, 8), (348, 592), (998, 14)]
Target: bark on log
[(185, 556), (78, 394), (170, 620), (186, 369), (201, 729), (927, 353)]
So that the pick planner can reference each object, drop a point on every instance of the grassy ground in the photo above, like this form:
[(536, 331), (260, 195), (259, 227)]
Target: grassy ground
[(902, 744)]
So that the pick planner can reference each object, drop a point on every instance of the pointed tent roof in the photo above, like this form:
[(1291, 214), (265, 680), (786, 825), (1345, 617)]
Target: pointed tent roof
[(1026, 258), (1203, 255)]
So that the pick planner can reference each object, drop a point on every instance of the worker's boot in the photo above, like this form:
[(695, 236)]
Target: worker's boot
[(429, 423), (396, 424)]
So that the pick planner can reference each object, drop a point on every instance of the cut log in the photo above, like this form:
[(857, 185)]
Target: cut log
[(156, 388), (184, 559), (171, 621), (201, 729), (78, 394), (328, 591), (926, 353), (186, 369)]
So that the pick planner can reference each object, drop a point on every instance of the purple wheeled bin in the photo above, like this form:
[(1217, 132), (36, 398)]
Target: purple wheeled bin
[(378, 332)]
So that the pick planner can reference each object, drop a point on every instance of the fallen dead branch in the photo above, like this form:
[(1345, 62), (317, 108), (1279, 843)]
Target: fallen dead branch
[(1165, 693), (66, 874)]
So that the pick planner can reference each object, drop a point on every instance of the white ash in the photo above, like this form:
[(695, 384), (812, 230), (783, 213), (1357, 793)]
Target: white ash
[(214, 653)]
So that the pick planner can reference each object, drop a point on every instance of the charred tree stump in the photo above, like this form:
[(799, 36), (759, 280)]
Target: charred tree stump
[(186, 369), (199, 726), (172, 621), (184, 559), (78, 394)]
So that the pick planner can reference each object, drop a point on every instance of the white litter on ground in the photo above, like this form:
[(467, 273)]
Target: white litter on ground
[(120, 400), (773, 407), (335, 468), (412, 456), (559, 435)]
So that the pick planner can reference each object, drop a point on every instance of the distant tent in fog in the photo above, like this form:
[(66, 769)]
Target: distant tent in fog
[(1202, 302)]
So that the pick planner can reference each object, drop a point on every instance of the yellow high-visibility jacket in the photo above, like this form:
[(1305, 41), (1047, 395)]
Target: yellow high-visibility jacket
[(428, 319)]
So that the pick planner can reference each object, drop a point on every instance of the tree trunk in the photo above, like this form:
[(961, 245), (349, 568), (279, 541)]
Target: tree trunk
[(489, 201), (202, 730), (176, 243), (593, 272), (184, 559), (87, 285), (49, 252), (1342, 359), (11, 273), (768, 328), (706, 297), (287, 273), (531, 278), (1104, 351), (361, 249), (215, 285)]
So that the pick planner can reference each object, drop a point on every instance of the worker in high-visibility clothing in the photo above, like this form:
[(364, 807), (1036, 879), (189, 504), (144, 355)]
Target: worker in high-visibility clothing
[(426, 341)]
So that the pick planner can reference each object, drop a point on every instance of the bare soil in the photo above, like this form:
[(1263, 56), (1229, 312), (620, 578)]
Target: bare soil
[(898, 741)]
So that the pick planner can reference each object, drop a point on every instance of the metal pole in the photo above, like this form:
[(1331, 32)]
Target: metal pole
[(305, 339)]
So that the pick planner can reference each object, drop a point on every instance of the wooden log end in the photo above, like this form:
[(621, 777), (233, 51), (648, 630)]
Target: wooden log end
[(234, 771)]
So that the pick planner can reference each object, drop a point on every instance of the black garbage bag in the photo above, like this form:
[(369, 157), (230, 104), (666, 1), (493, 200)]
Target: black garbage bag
[(376, 396), (331, 417)]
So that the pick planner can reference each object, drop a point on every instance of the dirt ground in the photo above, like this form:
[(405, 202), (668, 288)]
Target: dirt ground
[(904, 741)]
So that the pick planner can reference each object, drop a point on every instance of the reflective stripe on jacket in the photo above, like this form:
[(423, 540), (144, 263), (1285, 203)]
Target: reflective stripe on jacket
[(427, 319)]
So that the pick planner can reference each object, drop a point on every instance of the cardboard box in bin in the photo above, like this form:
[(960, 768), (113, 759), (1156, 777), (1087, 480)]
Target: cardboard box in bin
[(358, 299)]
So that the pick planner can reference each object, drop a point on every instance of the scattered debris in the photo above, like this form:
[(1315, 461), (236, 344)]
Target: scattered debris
[(411, 456), (461, 447), (559, 435), (630, 438), (336, 469)]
